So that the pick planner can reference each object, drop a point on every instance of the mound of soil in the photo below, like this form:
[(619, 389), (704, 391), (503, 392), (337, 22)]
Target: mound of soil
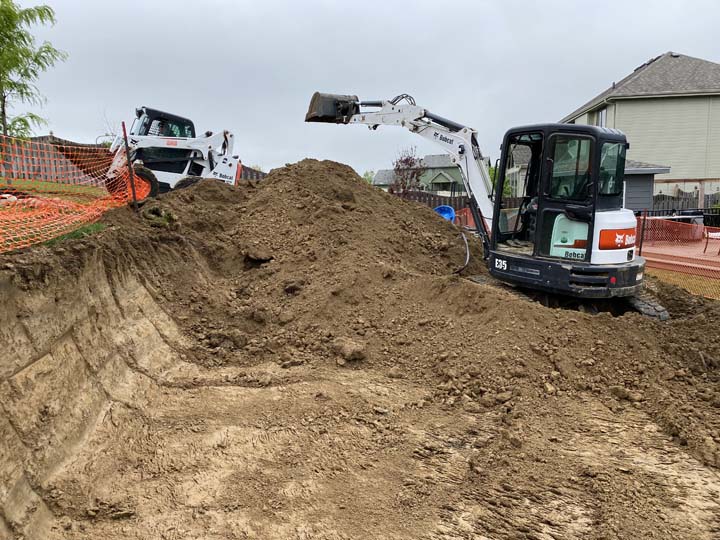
[(298, 359)]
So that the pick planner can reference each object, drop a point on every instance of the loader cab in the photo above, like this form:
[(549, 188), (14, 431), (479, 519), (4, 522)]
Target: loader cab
[(163, 158), (155, 123), (555, 183)]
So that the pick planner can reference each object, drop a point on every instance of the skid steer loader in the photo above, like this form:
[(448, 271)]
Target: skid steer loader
[(567, 234), (167, 153)]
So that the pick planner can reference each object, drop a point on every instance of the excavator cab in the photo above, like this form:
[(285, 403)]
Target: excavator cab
[(559, 222)]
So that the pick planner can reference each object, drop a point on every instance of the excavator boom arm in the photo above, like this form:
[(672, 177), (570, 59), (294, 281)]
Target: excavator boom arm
[(456, 139)]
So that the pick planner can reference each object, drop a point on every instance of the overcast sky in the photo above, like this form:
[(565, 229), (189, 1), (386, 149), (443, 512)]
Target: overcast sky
[(251, 67)]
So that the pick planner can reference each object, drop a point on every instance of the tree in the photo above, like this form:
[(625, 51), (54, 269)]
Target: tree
[(21, 63), (407, 171), (368, 176)]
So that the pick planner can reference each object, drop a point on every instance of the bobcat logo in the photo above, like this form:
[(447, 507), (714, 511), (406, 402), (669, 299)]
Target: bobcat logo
[(442, 138), (622, 239)]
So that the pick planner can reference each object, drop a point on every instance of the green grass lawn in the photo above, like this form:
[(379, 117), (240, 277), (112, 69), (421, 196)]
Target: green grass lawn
[(700, 285), (82, 232), (71, 192)]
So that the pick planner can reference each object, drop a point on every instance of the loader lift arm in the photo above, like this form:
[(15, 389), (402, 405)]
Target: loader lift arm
[(456, 139)]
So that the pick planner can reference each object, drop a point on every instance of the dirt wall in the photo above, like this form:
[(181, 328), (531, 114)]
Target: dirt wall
[(71, 347)]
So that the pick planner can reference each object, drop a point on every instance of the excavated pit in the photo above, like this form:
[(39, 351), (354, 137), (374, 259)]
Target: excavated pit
[(296, 360)]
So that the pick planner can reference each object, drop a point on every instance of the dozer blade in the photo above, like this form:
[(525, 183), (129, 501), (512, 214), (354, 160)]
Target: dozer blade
[(332, 108)]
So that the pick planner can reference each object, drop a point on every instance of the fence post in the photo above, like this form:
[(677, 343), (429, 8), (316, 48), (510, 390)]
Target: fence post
[(130, 168), (642, 233)]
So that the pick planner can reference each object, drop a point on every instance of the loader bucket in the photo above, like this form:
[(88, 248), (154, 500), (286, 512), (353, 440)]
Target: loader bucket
[(332, 108)]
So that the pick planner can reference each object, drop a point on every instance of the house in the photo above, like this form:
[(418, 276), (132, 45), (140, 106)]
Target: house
[(438, 175), (669, 108)]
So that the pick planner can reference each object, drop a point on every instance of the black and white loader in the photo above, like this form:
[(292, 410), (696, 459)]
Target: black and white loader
[(167, 154), (564, 232)]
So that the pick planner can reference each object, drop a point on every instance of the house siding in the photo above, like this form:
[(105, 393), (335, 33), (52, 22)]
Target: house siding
[(713, 143), (583, 119), (611, 110), (678, 132), (429, 174)]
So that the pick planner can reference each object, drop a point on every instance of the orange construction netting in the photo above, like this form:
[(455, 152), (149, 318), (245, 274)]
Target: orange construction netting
[(686, 254), (50, 187)]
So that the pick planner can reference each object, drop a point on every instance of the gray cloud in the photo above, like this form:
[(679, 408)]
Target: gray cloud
[(252, 66)]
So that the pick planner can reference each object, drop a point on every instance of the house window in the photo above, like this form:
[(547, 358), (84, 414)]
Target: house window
[(601, 117)]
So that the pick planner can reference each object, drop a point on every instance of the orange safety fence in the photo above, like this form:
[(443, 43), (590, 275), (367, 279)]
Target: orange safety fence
[(49, 187), (464, 218), (687, 254)]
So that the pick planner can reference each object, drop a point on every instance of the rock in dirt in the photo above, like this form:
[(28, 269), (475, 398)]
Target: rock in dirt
[(349, 350), (624, 394), (258, 255), (395, 373), (294, 286)]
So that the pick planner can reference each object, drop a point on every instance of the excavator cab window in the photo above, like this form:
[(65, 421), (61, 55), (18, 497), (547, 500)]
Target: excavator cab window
[(570, 168), (612, 168)]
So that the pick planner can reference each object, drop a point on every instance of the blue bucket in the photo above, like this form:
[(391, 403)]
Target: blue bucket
[(446, 212)]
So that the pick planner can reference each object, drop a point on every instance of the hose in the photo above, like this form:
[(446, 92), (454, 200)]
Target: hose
[(467, 254)]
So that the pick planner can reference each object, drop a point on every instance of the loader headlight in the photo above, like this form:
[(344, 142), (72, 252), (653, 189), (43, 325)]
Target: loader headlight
[(639, 276)]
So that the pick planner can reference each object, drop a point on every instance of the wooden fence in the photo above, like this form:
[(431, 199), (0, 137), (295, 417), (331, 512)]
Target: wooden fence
[(458, 202), (432, 200)]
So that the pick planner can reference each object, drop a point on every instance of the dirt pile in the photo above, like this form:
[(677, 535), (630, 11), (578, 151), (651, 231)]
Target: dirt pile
[(296, 359)]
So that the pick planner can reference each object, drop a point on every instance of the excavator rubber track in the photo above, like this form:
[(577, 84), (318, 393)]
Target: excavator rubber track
[(646, 304), (643, 303)]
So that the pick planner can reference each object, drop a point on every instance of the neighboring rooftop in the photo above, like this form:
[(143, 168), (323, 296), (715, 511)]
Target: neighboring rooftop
[(640, 167), (521, 155), (437, 161), (666, 75), (386, 177)]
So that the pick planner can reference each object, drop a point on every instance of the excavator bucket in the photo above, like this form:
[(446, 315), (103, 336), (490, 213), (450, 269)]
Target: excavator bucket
[(332, 108)]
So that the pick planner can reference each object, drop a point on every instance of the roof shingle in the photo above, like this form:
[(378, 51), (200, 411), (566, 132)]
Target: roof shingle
[(665, 75)]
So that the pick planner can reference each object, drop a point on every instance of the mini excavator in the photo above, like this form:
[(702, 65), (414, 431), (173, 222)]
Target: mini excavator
[(564, 231)]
